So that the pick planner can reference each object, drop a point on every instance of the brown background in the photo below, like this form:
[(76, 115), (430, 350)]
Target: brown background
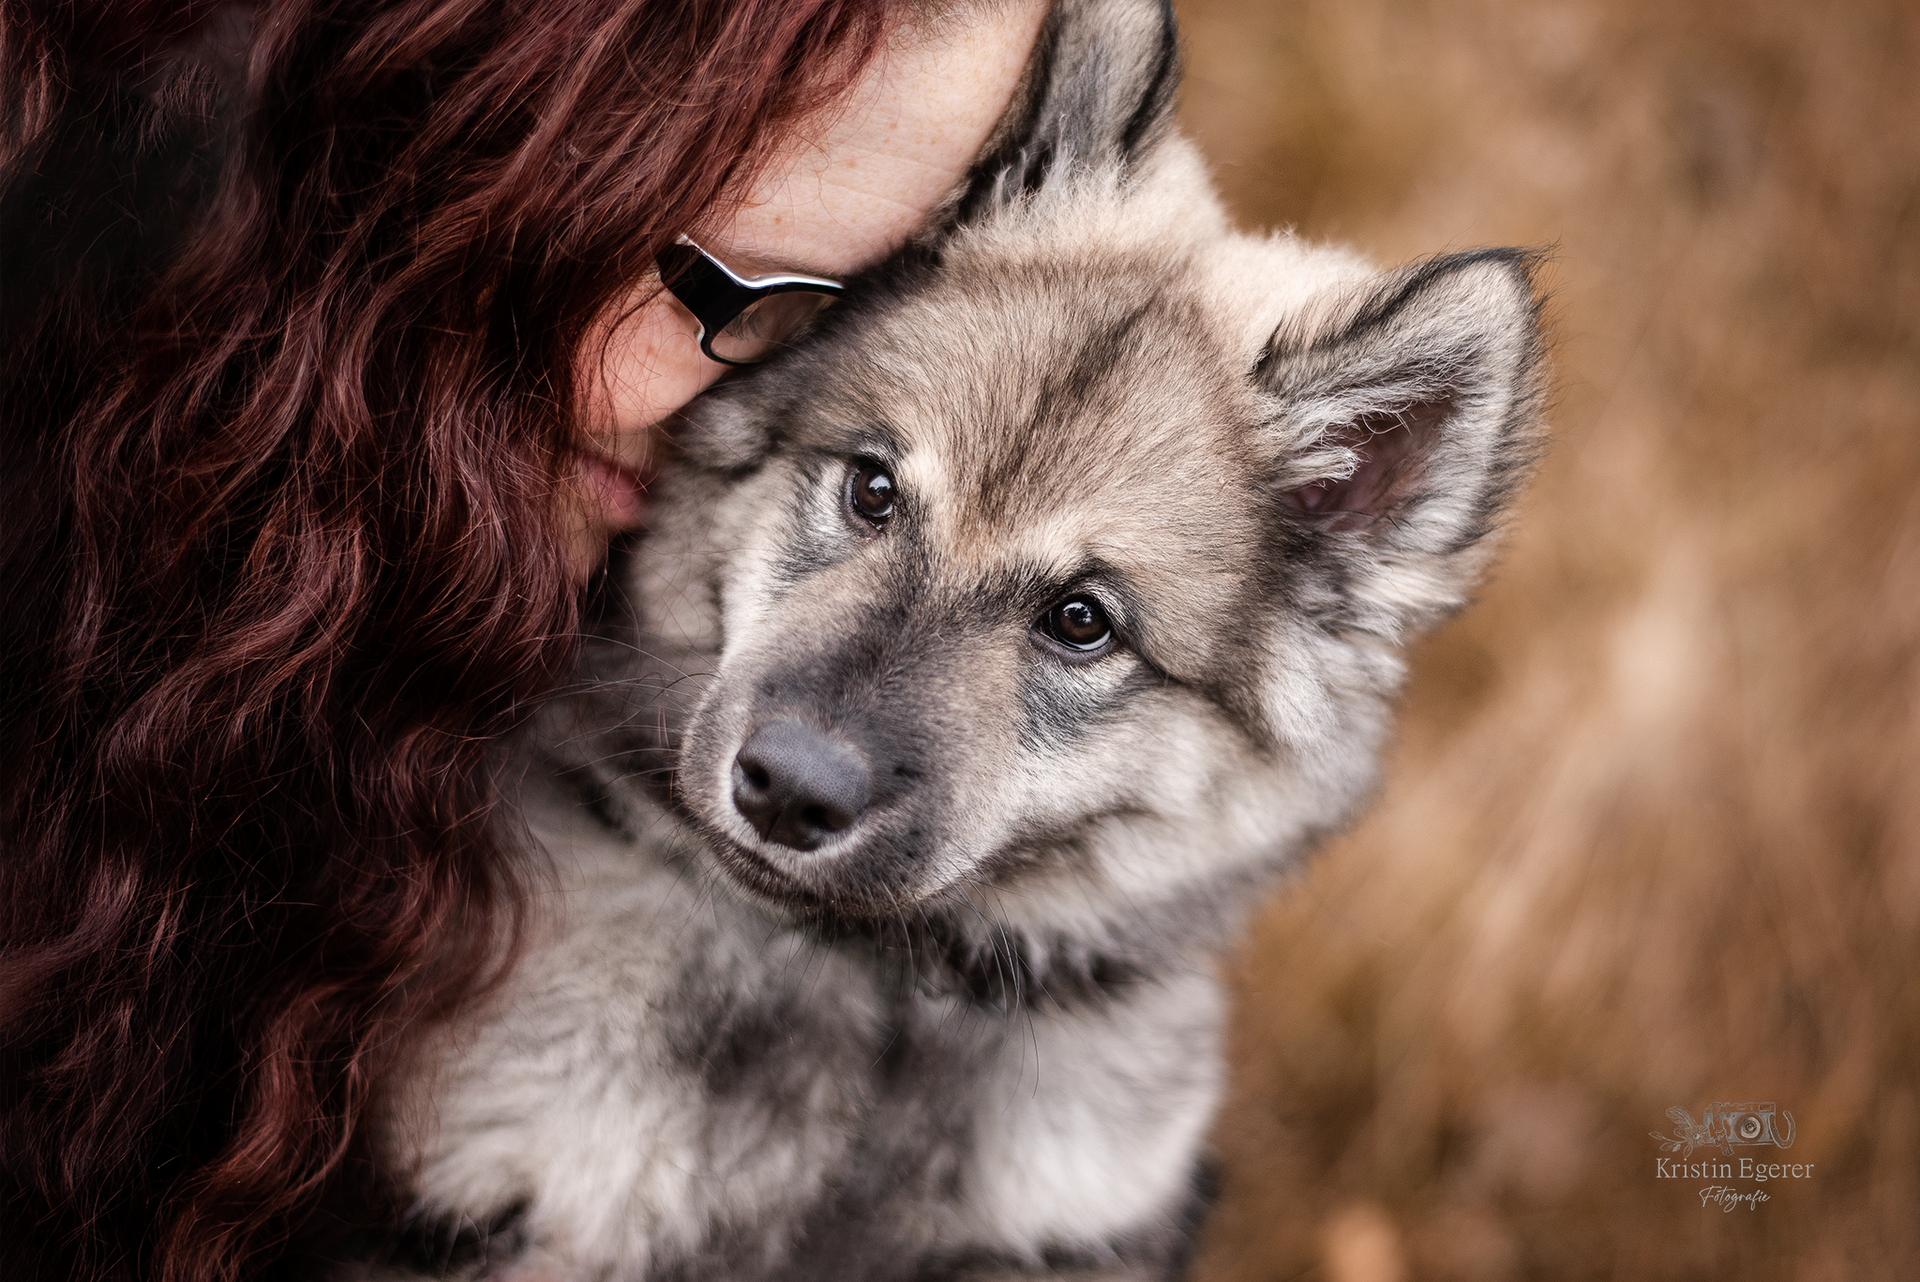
[(1651, 834)]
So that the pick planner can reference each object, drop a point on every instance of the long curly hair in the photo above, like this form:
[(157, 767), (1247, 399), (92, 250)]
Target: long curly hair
[(291, 298)]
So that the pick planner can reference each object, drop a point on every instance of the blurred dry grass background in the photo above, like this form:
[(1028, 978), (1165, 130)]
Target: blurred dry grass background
[(1651, 835)]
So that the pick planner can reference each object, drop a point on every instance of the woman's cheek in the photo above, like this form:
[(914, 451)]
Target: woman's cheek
[(644, 369)]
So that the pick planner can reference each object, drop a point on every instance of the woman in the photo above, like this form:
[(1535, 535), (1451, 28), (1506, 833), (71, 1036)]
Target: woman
[(330, 355)]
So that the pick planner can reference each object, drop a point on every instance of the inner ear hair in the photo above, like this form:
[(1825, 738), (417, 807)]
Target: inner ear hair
[(1390, 449)]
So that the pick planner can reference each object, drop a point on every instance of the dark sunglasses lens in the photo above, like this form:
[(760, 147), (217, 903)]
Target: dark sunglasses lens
[(754, 334)]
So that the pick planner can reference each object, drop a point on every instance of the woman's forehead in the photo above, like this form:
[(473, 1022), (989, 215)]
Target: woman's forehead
[(854, 182)]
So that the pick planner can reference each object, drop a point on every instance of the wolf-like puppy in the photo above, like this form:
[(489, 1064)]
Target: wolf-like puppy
[(992, 651)]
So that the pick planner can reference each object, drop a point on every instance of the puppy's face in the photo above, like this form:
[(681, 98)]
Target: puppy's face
[(1033, 571)]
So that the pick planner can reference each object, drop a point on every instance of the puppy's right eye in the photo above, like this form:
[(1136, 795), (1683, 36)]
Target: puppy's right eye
[(870, 493), (1078, 623)]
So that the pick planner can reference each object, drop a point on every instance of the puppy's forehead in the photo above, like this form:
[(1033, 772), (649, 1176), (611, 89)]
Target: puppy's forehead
[(1042, 406)]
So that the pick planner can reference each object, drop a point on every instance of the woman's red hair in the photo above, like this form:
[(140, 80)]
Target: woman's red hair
[(291, 302)]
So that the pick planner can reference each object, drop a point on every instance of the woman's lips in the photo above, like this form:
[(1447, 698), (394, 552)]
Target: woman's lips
[(616, 495)]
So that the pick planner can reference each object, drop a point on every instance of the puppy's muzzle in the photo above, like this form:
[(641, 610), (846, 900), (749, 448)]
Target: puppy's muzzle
[(797, 786)]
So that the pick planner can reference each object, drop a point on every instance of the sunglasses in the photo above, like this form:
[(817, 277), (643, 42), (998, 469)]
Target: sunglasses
[(743, 320)]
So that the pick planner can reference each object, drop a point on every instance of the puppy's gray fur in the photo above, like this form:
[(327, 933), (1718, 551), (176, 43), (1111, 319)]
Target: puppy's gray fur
[(976, 1032)]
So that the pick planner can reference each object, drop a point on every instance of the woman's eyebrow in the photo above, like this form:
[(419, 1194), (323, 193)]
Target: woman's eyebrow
[(750, 261)]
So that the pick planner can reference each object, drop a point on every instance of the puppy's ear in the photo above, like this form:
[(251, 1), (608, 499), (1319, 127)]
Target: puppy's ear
[(1407, 416), (1098, 97)]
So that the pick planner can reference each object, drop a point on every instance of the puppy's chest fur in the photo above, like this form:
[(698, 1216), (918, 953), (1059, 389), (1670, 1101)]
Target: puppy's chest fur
[(675, 1086)]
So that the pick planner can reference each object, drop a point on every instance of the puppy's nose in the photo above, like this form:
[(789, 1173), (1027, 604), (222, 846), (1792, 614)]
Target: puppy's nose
[(797, 786)]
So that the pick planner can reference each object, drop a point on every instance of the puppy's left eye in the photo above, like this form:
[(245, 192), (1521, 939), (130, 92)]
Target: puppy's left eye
[(1078, 623)]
